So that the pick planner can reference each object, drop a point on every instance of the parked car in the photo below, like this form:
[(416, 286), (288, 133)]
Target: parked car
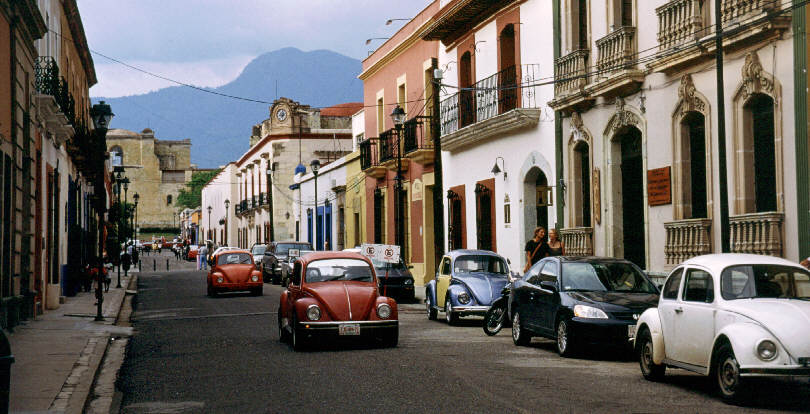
[(275, 255), (193, 249), (334, 295), (466, 283), (580, 301), (395, 279), (233, 270), (257, 250), (732, 317), (287, 266)]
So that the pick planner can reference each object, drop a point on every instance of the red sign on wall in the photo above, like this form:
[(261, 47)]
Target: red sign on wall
[(659, 188)]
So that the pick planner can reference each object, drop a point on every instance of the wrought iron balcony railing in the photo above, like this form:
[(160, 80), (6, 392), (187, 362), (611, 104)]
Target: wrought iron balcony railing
[(368, 153), (49, 82), (388, 145), (511, 88), (414, 136)]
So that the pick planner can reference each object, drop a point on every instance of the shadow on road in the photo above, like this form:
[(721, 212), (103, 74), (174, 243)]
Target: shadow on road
[(774, 394)]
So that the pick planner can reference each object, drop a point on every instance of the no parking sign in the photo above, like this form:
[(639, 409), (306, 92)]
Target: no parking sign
[(387, 253)]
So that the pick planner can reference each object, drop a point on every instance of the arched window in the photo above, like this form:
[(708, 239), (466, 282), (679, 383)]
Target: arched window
[(169, 200), (693, 165), (759, 118), (581, 180), (507, 79), (467, 97), (116, 156)]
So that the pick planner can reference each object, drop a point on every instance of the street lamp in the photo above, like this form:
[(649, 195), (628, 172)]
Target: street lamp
[(102, 114), (136, 197), (315, 165), (269, 201), (227, 204), (125, 181), (209, 221), (398, 116)]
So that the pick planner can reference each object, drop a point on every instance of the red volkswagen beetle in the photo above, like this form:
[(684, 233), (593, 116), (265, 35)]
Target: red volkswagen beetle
[(233, 270), (333, 295)]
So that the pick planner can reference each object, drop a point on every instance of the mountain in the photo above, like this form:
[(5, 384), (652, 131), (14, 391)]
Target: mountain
[(220, 127)]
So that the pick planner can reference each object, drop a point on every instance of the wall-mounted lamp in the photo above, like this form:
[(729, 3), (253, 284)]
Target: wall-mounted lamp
[(497, 170)]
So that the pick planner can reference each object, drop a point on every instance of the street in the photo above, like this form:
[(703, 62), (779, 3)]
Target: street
[(192, 353)]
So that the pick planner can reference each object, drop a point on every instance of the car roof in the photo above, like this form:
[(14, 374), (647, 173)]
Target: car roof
[(331, 254), (235, 250), (462, 252), (719, 261), (588, 259)]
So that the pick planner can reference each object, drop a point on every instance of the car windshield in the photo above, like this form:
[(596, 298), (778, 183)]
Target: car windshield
[(283, 248), (764, 281), (258, 249), (234, 258), (604, 277), (327, 270), (479, 263)]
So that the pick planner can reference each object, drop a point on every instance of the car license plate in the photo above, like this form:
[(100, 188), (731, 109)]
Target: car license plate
[(350, 329), (631, 331)]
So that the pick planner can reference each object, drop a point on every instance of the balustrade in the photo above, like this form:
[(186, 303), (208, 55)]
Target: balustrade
[(679, 22), (616, 51), (687, 238), (757, 233), (578, 241), (735, 9), (570, 72)]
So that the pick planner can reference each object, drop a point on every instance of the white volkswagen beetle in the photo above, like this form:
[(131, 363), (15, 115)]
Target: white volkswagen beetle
[(729, 316)]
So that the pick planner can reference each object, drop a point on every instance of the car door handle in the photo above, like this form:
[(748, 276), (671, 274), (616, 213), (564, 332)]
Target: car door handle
[(678, 310)]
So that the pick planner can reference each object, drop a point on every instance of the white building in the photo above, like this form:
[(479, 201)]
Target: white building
[(217, 220), (494, 111), (322, 218)]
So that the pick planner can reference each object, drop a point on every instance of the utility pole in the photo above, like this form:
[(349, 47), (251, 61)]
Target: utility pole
[(438, 189), (721, 129)]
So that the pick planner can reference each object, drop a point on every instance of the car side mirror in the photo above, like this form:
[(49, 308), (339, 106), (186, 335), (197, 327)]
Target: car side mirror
[(549, 285)]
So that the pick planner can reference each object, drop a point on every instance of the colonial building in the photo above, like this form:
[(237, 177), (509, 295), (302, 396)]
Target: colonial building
[(261, 206), (640, 139), (497, 133), (217, 217), (157, 170)]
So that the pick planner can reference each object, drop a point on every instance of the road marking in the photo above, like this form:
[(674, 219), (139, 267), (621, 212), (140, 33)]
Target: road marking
[(179, 318)]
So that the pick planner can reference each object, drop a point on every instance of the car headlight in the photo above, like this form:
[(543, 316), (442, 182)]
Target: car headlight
[(767, 350), (313, 312), (254, 278), (464, 298), (220, 279), (383, 311), (589, 312), (408, 282)]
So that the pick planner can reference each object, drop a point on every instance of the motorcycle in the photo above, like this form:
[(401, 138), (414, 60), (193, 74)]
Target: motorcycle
[(497, 315)]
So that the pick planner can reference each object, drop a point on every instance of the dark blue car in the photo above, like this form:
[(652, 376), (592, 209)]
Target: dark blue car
[(467, 283)]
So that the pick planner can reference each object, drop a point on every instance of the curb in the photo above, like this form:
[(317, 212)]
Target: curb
[(75, 392)]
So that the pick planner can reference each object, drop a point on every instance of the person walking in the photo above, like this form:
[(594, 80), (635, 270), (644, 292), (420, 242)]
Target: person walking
[(556, 247), (202, 258), (536, 248)]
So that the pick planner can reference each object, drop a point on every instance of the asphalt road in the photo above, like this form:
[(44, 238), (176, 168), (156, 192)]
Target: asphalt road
[(191, 353)]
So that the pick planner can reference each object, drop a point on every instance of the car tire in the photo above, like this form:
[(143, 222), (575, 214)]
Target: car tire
[(297, 341), (259, 291), (726, 370), (520, 336), (283, 335), (449, 316), (644, 348), (566, 347), (432, 313), (211, 291), (391, 340)]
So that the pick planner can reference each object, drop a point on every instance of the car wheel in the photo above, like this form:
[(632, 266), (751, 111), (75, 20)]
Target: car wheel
[(282, 333), (449, 316), (298, 341), (520, 336), (494, 319), (391, 339), (211, 292), (259, 291), (727, 372), (431, 311), (649, 369), (565, 344)]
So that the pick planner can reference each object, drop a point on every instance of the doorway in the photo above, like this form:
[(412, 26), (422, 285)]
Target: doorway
[(483, 217), (632, 196)]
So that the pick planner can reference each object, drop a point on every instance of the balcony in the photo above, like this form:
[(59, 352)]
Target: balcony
[(685, 35), (757, 233), (389, 153), (578, 241), (416, 143), (686, 239), (51, 99), (369, 158), (500, 104), (616, 73), (570, 78)]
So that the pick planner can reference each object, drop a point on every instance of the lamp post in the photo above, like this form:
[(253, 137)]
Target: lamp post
[(269, 201), (118, 180), (102, 115), (316, 165), (123, 220), (227, 204), (398, 116), (209, 221), (135, 197)]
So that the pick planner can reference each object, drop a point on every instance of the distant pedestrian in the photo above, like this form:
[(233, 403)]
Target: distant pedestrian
[(536, 248), (556, 247), (202, 257)]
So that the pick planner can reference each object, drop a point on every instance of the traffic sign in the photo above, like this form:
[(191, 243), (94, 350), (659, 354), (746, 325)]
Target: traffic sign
[(387, 253)]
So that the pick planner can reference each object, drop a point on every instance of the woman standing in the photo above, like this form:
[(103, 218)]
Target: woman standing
[(556, 247), (536, 248)]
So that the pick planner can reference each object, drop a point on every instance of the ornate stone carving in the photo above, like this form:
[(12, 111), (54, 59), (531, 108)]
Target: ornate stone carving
[(689, 97), (622, 118), (597, 197), (754, 78), (576, 121)]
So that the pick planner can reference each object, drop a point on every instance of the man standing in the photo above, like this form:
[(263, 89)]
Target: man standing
[(202, 256)]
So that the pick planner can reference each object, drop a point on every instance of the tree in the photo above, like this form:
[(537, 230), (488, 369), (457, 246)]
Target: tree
[(191, 196)]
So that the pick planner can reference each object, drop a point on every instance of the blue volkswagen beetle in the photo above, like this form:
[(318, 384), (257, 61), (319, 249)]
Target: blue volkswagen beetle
[(467, 283)]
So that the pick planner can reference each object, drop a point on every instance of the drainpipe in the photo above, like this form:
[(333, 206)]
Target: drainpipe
[(800, 101), (558, 133), (721, 129)]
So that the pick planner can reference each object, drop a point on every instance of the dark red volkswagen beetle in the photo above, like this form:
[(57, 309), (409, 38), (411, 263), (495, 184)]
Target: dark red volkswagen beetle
[(333, 295), (233, 270)]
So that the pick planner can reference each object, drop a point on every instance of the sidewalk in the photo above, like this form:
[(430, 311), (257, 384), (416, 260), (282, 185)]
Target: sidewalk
[(57, 355)]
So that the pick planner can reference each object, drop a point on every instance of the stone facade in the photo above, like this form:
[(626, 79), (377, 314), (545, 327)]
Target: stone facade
[(157, 170)]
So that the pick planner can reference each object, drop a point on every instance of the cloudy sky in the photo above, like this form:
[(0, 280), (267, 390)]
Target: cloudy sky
[(208, 42)]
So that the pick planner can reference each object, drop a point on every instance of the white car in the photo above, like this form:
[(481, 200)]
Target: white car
[(730, 316)]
